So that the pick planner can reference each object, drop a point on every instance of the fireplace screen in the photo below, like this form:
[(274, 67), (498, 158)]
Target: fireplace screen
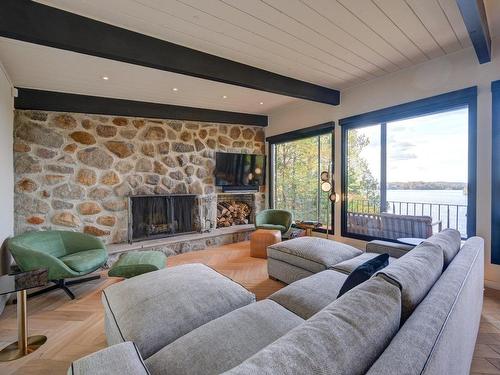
[(161, 216)]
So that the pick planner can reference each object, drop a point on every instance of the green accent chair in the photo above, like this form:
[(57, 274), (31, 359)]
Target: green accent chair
[(65, 254), (274, 219)]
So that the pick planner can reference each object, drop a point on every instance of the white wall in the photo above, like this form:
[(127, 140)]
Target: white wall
[(448, 73), (6, 166)]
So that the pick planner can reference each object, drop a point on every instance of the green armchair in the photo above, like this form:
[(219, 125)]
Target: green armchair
[(274, 219), (65, 254)]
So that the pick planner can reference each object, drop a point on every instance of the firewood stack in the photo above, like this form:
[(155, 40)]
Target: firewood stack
[(232, 213)]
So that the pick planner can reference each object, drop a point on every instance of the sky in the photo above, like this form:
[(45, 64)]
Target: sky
[(427, 148)]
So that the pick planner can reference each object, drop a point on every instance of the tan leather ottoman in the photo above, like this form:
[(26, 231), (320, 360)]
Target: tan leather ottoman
[(261, 239)]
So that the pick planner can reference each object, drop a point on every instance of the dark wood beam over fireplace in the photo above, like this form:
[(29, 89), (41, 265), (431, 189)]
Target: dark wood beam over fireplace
[(64, 102), (37, 23)]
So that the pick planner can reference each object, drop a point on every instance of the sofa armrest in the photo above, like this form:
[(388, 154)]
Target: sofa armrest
[(395, 250), (118, 359)]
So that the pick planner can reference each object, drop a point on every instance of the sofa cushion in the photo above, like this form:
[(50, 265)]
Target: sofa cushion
[(394, 249), (85, 261), (312, 253), (346, 337), (350, 265), (439, 337), (363, 272), (114, 360), (225, 342), (448, 240), (308, 296), (156, 308), (415, 273)]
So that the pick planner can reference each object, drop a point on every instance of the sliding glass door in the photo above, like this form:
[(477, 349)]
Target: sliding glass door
[(296, 166), (410, 175)]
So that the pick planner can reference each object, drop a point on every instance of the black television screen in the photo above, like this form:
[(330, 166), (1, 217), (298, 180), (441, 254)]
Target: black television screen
[(240, 170)]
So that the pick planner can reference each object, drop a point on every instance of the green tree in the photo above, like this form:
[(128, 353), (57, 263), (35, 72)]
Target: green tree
[(362, 187)]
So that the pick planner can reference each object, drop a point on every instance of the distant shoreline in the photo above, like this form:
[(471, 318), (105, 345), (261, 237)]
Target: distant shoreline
[(421, 185)]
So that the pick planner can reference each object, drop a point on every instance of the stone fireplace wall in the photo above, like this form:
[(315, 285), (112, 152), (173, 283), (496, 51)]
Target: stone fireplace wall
[(75, 171)]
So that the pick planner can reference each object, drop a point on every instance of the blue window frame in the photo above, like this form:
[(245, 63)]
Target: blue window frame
[(376, 126), (495, 174), (298, 189)]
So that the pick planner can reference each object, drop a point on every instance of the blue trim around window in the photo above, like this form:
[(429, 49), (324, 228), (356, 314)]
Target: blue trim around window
[(435, 104), (495, 174), (294, 135)]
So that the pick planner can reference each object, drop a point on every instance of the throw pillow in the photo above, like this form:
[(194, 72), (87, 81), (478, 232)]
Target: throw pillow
[(364, 272)]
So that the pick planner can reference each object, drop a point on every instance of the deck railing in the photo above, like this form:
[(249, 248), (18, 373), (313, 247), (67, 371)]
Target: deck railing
[(451, 215)]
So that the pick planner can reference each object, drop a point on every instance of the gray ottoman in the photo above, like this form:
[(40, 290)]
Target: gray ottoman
[(156, 308), (301, 257)]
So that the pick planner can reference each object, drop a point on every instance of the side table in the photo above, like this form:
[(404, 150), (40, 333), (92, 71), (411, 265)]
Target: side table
[(261, 239), (308, 226), (19, 283)]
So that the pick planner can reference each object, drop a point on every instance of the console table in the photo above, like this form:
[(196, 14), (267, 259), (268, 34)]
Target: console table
[(20, 282)]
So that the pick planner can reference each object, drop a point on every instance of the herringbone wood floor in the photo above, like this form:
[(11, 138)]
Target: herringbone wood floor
[(76, 328)]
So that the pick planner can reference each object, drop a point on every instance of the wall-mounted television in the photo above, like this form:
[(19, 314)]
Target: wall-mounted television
[(240, 171)]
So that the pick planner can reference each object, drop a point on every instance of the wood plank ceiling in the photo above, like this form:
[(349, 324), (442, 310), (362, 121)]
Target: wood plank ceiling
[(333, 43)]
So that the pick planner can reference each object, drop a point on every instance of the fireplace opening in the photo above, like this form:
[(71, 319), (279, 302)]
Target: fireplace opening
[(157, 216)]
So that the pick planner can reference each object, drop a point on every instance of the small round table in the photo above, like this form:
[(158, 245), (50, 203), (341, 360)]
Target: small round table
[(414, 241), (19, 283)]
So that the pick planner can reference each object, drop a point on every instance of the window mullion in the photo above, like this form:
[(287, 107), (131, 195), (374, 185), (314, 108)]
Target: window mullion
[(383, 166)]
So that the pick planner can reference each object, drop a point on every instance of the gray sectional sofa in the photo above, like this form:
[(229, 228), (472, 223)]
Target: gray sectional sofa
[(419, 315)]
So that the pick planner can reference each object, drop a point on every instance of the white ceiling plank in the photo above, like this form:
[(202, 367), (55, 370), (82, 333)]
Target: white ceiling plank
[(407, 21), (434, 19), (258, 40), (373, 17), (65, 71), (319, 31), (283, 28), (342, 17), (268, 57), (452, 12), (247, 27), (493, 16)]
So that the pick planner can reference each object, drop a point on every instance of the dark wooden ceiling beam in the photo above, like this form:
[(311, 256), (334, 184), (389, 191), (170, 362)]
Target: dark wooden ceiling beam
[(65, 102), (37, 23), (474, 15)]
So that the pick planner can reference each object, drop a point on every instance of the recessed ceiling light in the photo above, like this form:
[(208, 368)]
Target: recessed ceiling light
[(261, 103), (175, 89), (224, 96), (105, 78)]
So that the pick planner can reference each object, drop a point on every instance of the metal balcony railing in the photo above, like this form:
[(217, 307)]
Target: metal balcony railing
[(451, 215)]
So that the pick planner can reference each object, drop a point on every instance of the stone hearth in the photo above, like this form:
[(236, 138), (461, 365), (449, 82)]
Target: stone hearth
[(75, 171)]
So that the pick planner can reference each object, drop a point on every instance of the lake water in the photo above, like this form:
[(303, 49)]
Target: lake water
[(428, 196), (447, 206)]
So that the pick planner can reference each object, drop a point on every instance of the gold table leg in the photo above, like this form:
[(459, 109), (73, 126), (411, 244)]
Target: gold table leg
[(24, 344)]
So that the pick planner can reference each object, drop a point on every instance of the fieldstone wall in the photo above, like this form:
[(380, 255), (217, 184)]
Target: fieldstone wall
[(75, 170)]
